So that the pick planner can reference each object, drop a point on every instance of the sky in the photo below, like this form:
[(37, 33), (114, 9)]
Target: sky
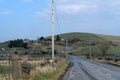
[(32, 18)]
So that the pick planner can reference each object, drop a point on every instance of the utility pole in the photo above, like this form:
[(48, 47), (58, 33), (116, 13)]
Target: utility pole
[(66, 48), (66, 45), (90, 51), (53, 30)]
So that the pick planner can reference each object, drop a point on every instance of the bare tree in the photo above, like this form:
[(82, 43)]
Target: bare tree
[(103, 46)]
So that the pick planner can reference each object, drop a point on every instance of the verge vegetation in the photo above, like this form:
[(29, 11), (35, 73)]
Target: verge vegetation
[(52, 75)]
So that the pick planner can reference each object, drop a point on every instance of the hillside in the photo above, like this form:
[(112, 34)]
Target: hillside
[(81, 36), (4, 45), (109, 38)]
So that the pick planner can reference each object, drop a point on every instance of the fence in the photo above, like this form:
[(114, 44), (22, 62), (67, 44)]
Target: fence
[(14, 68)]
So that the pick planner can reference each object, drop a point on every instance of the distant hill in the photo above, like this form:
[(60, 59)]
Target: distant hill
[(109, 38), (81, 36), (4, 44)]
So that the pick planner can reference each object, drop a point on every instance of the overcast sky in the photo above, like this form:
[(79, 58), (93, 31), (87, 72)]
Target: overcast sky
[(32, 18)]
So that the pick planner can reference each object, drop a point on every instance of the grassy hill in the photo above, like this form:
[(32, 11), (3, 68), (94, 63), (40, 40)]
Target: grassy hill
[(81, 36), (4, 45), (110, 38), (84, 50)]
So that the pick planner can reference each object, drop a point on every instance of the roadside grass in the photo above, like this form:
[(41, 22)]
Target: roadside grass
[(5, 70), (113, 63), (52, 75), (109, 62), (114, 50), (84, 51)]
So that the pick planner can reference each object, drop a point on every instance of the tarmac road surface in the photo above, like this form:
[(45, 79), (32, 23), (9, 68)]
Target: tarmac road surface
[(81, 69)]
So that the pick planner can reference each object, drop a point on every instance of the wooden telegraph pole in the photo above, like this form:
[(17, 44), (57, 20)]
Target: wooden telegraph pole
[(53, 31)]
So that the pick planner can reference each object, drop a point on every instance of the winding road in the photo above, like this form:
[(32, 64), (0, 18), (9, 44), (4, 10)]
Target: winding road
[(81, 69)]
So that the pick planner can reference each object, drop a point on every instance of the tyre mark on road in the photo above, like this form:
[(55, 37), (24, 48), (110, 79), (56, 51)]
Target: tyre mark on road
[(87, 72)]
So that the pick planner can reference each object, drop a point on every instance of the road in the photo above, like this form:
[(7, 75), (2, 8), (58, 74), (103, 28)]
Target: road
[(81, 69)]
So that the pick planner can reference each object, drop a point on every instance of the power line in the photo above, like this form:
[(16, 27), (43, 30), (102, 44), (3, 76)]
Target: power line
[(57, 20)]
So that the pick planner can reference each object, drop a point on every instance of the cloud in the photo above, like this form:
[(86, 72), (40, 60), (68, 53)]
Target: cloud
[(65, 7), (76, 8), (5, 12), (69, 8), (26, 0), (42, 13), (85, 7)]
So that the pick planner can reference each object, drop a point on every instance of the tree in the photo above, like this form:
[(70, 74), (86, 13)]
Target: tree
[(18, 43), (103, 46), (41, 38), (25, 45), (58, 38), (11, 44)]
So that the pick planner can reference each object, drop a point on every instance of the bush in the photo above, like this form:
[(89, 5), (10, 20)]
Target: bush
[(17, 43)]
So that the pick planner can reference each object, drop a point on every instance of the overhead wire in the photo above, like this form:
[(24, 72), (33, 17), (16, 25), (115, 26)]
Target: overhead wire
[(57, 19)]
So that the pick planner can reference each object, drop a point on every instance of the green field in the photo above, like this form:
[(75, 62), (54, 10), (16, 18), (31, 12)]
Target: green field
[(114, 50), (110, 38), (81, 36), (86, 50), (96, 51)]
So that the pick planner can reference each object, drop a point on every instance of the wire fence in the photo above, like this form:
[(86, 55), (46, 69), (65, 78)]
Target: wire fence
[(16, 67), (21, 67)]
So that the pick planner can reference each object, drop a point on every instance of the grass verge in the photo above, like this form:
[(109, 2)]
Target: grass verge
[(52, 75), (110, 62)]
